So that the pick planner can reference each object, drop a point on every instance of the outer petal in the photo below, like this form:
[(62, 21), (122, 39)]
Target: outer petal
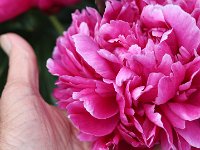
[(88, 124), (55, 68), (100, 107), (86, 137)]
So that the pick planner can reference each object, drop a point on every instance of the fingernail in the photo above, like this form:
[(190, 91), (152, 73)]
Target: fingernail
[(5, 43)]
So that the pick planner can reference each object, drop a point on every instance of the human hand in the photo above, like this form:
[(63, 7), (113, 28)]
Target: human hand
[(26, 121)]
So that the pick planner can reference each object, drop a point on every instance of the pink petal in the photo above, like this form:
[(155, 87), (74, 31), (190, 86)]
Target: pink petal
[(182, 144), (168, 85), (178, 71), (87, 48), (71, 68), (152, 115), (123, 75), (185, 111), (86, 137), (88, 124), (170, 39), (191, 133), (192, 67), (78, 81), (173, 118), (162, 49), (148, 58), (194, 80), (108, 56), (160, 121), (154, 78), (110, 13), (128, 136), (113, 29), (100, 107), (136, 81), (169, 133), (84, 29), (152, 16), (184, 27), (82, 93), (165, 145), (105, 89), (165, 65), (195, 99), (144, 94), (120, 12), (137, 92), (166, 90), (150, 131), (55, 68), (184, 55)]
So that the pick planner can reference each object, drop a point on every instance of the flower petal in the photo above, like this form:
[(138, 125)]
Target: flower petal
[(184, 27), (123, 75), (152, 16), (153, 116), (173, 118), (87, 48), (191, 133), (88, 124), (185, 111), (100, 107), (168, 85)]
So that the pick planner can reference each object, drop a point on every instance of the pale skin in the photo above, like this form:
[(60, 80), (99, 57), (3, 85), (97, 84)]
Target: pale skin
[(26, 121)]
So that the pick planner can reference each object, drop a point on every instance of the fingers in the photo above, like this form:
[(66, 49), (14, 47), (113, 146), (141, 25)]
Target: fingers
[(22, 60)]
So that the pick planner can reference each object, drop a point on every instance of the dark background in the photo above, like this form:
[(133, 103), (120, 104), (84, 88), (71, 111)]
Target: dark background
[(41, 31)]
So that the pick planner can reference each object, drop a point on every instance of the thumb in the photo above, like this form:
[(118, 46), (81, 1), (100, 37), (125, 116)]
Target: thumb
[(22, 60)]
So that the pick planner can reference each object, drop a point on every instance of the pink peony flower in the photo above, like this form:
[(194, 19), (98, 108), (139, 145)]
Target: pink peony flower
[(131, 78), (11, 8)]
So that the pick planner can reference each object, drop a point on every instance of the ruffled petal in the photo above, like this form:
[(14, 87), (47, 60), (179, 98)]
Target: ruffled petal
[(87, 48), (88, 124), (100, 107), (184, 27), (185, 111), (191, 133)]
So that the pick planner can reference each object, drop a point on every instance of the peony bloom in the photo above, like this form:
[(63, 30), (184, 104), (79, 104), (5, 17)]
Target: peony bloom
[(131, 78), (11, 8)]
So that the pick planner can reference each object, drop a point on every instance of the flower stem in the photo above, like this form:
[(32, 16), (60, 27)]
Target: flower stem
[(57, 25)]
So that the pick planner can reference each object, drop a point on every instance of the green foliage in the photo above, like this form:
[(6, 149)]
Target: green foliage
[(41, 31)]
